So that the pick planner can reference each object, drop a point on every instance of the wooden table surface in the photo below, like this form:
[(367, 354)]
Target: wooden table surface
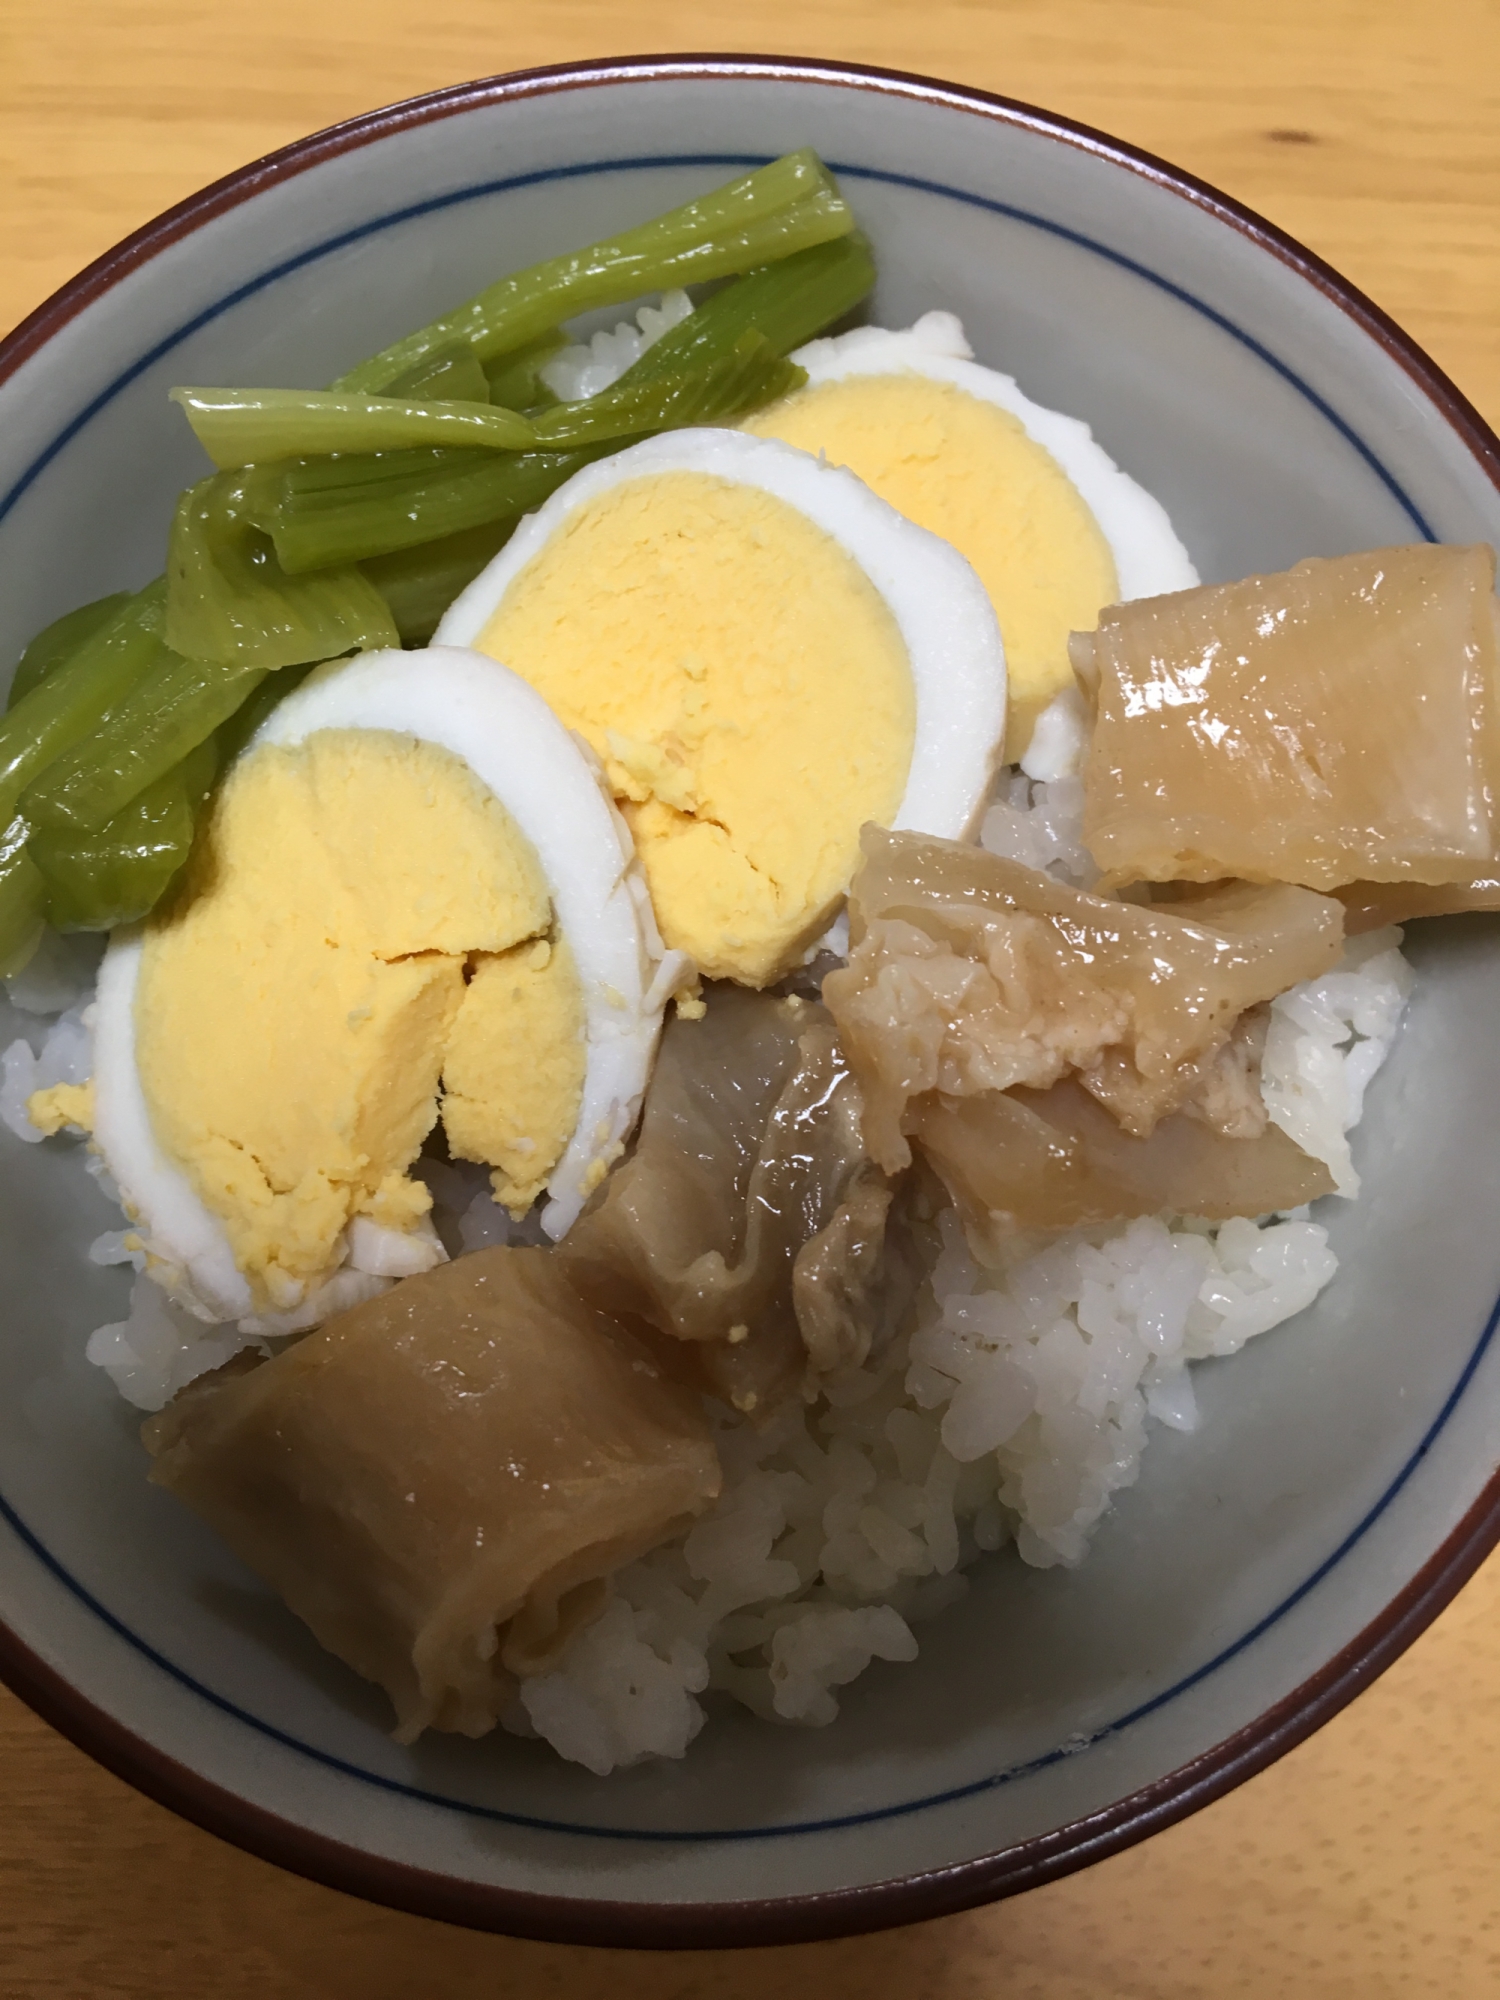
[(1364, 1864)]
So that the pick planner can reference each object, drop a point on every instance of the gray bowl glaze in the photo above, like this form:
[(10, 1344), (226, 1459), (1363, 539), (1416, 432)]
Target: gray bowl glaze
[(1342, 1484)]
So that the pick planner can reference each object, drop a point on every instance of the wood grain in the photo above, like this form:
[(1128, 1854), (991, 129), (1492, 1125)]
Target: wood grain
[(1360, 1867)]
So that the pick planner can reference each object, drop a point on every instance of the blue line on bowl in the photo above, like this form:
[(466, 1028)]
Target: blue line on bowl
[(479, 190), (992, 1782), (995, 1779)]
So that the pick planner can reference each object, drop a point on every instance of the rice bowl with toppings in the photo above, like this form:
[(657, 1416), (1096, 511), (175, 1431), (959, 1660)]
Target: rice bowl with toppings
[(950, 1419)]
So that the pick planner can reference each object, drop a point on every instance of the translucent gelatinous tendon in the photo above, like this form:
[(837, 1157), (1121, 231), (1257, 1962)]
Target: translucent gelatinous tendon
[(1027, 1160), (438, 1480), (971, 973), (1370, 906), (748, 1222), (1332, 724)]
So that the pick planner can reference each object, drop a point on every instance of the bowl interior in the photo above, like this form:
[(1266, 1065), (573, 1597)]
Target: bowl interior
[(1335, 1457)]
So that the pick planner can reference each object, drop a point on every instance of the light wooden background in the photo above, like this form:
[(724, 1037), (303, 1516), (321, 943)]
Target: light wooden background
[(1365, 1864)]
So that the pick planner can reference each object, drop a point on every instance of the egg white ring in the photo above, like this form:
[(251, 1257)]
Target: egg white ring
[(499, 726), (189, 1251), (941, 609), (557, 798), (1149, 558)]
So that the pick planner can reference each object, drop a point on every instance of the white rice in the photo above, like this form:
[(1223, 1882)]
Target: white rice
[(1040, 825), (1326, 1039), (65, 1055), (1005, 1407), (61, 973), (597, 364), (163, 1346), (1016, 1409)]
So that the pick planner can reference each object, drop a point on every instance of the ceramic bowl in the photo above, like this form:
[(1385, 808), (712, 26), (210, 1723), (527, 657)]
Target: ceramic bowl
[(1342, 1484)]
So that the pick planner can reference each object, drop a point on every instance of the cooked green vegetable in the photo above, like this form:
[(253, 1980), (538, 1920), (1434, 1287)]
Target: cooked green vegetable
[(23, 900), (450, 372), (245, 427), (270, 691), (176, 706), (349, 519), (259, 426), (114, 875), (230, 599), (781, 208), (56, 641), (353, 508), (78, 692), (336, 510), (419, 584), (786, 303), (514, 379), (750, 374)]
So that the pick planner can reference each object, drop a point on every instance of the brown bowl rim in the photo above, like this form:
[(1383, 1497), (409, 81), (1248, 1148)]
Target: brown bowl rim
[(907, 1899)]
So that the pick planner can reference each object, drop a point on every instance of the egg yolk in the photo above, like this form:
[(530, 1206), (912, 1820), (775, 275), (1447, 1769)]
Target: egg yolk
[(747, 690), (361, 923), (967, 471)]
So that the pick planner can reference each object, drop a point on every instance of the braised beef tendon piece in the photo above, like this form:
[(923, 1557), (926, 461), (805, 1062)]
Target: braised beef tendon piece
[(438, 1481), (749, 1223), (973, 974), (1042, 1160), (1331, 724), (1370, 906)]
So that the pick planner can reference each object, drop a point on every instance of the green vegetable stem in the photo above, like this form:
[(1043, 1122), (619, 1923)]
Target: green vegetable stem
[(321, 511), (53, 644), (765, 215), (116, 873), (173, 709), (230, 600), (338, 510), (23, 900), (455, 372), (419, 584), (259, 426), (786, 304), (514, 380), (348, 519), (76, 693)]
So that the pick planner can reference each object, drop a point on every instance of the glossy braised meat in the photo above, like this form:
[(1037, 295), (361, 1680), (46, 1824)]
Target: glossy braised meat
[(1334, 723), (973, 974), (438, 1481), (1370, 906), (748, 1223), (1054, 1159)]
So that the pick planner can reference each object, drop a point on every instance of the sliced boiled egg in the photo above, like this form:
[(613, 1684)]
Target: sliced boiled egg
[(764, 656), (1051, 524), (413, 897)]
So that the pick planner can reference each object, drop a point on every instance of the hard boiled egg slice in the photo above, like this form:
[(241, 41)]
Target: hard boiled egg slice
[(764, 656), (411, 882), (1052, 525)]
